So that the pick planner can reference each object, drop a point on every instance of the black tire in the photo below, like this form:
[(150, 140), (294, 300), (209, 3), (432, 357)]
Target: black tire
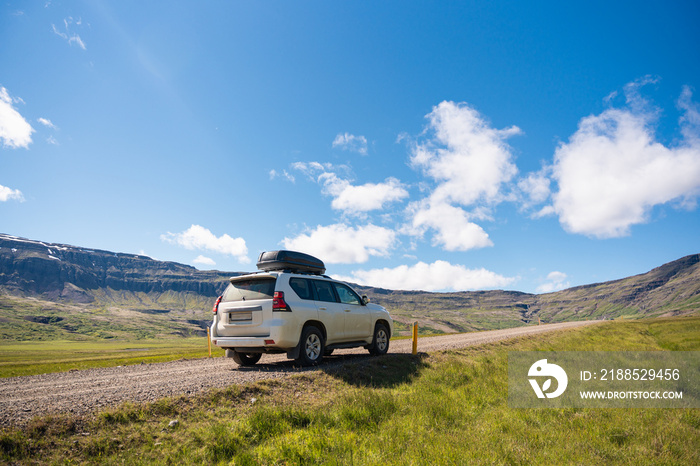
[(246, 359), (380, 342), (311, 347)]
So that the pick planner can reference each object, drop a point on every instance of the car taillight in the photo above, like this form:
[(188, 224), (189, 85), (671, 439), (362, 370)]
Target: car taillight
[(278, 303), (216, 305)]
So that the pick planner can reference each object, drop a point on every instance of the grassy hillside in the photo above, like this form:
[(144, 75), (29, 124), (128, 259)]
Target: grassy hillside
[(672, 289), (61, 292), (454, 312), (444, 408), (116, 315)]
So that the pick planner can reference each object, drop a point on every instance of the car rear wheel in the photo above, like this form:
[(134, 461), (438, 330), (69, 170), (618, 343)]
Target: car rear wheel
[(312, 347), (380, 342), (246, 359)]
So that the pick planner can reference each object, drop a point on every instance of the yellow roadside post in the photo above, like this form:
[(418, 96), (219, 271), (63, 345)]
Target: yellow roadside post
[(539, 322), (415, 338), (209, 340)]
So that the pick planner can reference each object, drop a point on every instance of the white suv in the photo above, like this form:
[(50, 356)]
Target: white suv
[(291, 307)]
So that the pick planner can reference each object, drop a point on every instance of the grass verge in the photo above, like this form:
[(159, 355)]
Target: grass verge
[(42, 357), (443, 408)]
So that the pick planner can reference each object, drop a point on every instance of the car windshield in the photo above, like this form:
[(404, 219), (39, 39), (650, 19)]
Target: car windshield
[(250, 289)]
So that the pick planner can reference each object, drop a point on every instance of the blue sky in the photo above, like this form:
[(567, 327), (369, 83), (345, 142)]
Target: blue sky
[(528, 146)]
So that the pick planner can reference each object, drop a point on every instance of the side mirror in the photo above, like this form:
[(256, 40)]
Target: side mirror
[(365, 300)]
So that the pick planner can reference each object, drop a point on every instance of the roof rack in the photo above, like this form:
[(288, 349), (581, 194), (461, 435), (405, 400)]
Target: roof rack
[(290, 261)]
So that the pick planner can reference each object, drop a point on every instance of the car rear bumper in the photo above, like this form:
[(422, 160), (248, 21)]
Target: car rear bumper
[(264, 343), (243, 342)]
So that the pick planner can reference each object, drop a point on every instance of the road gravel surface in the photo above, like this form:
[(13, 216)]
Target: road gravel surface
[(87, 391)]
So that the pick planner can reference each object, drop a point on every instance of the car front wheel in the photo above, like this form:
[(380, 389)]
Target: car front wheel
[(380, 342)]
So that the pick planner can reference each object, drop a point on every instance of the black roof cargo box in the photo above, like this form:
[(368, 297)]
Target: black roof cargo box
[(290, 260)]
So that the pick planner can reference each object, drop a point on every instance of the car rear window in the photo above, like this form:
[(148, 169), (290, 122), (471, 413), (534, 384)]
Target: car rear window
[(254, 288)]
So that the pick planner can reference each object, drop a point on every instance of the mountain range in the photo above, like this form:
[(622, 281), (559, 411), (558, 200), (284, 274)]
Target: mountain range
[(57, 291)]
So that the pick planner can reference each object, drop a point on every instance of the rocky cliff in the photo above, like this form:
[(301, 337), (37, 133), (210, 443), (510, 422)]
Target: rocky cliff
[(63, 272)]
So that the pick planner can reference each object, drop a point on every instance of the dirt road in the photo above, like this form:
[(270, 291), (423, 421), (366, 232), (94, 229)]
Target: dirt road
[(83, 392)]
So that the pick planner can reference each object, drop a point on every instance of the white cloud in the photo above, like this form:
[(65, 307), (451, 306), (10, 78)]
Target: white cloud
[(453, 229), (198, 237), (339, 243), (613, 171), (690, 120), (349, 198), (70, 37), (440, 275), (470, 162), (49, 124), (351, 143), (468, 158), (14, 130), (313, 169), (285, 174), (204, 260), (142, 252), (535, 188), (7, 194), (363, 198), (556, 281), (46, 122)]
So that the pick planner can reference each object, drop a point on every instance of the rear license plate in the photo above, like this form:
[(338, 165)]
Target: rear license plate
[(240, 316)]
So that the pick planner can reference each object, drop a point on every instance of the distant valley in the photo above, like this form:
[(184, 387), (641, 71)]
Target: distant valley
[(53, 291)]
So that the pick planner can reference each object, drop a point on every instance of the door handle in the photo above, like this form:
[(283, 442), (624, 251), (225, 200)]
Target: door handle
[(321, 308), (348, 310)]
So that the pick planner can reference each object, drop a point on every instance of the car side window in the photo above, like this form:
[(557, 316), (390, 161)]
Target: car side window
[(346, 295), (324, 291), (301, 287)]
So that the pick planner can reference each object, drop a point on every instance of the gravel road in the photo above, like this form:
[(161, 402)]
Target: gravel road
[(83, 392)]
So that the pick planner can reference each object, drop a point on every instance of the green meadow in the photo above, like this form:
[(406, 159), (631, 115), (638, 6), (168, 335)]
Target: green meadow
[(442, 408), (41, 357)]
